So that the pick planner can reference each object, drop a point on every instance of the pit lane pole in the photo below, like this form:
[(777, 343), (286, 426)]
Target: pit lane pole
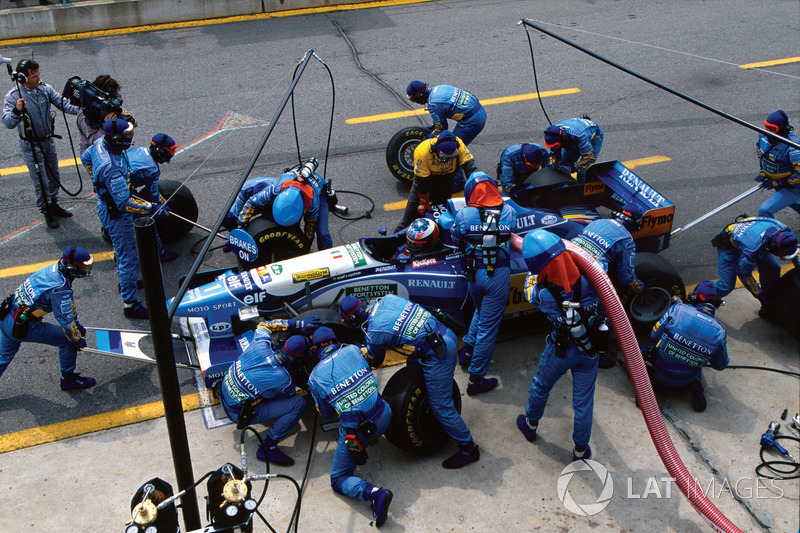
[(727, 204), (145, 230), (773, 136), (207, 245)]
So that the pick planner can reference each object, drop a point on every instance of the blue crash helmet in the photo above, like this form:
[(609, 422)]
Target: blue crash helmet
[(539, 247), (76, 262), (118, 134), (288, 207), (446, 146)]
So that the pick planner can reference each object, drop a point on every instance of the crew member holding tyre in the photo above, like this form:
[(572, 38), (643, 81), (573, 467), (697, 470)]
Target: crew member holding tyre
[(446, 101), (393, 321), (575, 144), (568, 299), (107, 162), (518, 162), (436, 162), (482, 229), (688, 337), (258, 387), (780, 166), (145, 172), (751, 243), (343, 385), (609, 241)]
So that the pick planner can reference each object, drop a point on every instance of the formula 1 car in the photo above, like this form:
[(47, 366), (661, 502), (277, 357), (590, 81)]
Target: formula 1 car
[(209, 313)]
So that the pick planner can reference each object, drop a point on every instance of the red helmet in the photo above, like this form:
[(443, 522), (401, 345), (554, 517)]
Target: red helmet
[(422, 236)]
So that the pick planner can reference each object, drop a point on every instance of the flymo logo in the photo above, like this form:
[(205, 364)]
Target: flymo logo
[(587, 509)]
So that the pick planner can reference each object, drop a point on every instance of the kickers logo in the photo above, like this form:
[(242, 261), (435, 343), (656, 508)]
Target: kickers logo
[(423, 262)]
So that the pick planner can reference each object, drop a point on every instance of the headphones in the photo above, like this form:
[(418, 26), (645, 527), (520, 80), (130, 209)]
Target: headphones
[(21, 66), (117, 137), (70, 268), (161, 153), (694, 300)]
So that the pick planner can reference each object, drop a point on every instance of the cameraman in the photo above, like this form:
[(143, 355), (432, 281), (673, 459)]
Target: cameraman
[(33, 98), (91, 118)]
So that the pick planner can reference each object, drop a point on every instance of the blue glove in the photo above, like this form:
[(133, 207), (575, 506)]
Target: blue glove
[(81, 329), (161, 210), (227, 247), (761, 177), (80, 343), (305, 326), (769, 184), (229, 222)]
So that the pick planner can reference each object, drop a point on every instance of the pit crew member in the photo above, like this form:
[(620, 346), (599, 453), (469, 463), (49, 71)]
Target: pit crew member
[(780, 166), (575, 144)]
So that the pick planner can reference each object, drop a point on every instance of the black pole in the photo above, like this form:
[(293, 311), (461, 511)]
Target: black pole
[(202, 255), (707, 107), (145, 230)]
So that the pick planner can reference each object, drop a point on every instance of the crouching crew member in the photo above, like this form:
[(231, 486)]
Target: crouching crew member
[(393, 321), (482, 228), (569, 301), (258, 387), (688, 337), (343, 385), (48, 290)]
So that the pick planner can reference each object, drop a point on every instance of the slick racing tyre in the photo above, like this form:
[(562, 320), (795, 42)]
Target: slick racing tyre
[(783, 303), (170, 229), (400, 152), (662, 283), (413, 427), (275, 243)]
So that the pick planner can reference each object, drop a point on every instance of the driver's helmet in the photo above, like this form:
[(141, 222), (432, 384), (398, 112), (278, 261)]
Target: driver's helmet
[(288, 206), (533, 155), (630, 216), (162, 147), (539, 247), (422, 236), (704, 293), (782, 244), (446, 146), (118, 134), (76, 262)]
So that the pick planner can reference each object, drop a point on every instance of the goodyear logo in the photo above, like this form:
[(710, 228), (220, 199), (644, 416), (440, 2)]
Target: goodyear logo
[(356, 255), (311, 275)]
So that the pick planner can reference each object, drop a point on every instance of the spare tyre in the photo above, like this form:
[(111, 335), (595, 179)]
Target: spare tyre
[(275, 243), (400, 152), (182, 203), (413, 427), (662, 282)]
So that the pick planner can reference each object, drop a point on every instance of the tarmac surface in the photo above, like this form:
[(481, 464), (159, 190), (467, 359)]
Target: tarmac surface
[(86, 483)]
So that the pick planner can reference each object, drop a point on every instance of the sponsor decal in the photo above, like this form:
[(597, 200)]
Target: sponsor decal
[(594, 187), (356, 255), (656, 222), (349, 275), (642, 189), (423, 262), (284, 234), (311, 275), (386, 268), (263, 274), (432, 284), (370, 292), (548, 220), (234, 282), (220, 327), (248, 284), (276, 269)]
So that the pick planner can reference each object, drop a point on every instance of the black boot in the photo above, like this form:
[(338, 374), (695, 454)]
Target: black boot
[(51, 221), (58, 211)]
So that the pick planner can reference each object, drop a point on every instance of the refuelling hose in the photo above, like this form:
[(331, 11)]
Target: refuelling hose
[(641, 385)]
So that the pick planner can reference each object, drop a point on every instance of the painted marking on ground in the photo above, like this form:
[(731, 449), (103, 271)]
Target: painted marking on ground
[(33, 267), (487, 102), (772, 63)]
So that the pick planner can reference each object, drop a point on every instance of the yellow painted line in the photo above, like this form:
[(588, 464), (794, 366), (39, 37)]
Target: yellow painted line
[(488, 102), (632, 163), (22, 169), (92, 424), (772, 63), (33, 267), (207, 22)]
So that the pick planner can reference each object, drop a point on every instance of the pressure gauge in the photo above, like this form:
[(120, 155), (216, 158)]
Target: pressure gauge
[(250, 504), (231, 510), (151, 529), (132, 529)]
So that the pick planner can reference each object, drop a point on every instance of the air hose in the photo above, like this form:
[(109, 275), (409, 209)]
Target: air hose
[(644, 390)]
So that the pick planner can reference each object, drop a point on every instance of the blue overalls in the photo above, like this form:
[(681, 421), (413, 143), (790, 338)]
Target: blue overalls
[(446, 101), (780, 161), (610, 243)]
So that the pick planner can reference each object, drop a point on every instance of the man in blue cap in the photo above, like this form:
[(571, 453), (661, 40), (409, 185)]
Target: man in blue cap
[(780, 166), (609, 241), (568, 299), (48, 290), (575, 144), (343, 386), (688, 337), (436, 163), (518, 162), (482, 228), (393, 321), (446, 101), (144, 164), (749, 243), (259, 386), (117, 207)]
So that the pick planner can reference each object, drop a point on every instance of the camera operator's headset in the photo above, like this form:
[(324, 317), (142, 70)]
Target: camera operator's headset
[(21, 66)]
